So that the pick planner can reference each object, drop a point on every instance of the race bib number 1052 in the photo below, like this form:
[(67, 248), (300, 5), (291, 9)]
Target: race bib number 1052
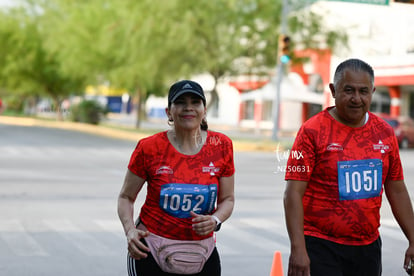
[(359, 179), (179, 199)]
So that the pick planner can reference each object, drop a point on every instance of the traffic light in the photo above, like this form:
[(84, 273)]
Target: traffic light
[(284, 49)]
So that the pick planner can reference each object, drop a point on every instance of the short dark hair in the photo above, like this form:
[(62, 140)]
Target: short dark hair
[(355, 65)]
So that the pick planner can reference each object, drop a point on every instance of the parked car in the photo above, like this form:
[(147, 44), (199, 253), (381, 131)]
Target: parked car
[(404, 129)]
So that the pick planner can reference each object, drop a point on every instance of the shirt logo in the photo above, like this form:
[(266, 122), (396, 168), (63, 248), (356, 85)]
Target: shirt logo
[(164, 170), (335, 147), (381, 147), (211, 169)]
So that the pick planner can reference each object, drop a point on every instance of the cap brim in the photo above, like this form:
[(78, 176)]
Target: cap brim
[(187, 91)]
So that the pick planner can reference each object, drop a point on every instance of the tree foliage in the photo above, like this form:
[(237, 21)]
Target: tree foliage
[(130, 44), (28, 67), (54, 46)]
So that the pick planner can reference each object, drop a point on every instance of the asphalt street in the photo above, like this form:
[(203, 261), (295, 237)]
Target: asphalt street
[(58, 191)]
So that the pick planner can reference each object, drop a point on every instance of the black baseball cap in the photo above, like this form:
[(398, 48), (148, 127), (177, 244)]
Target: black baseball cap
[(185, 86)]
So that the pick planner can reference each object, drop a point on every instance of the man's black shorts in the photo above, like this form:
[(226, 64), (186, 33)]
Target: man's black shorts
[(330, 258)]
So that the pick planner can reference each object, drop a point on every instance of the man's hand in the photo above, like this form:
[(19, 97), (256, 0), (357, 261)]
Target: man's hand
[(409, 260), (299, 263)]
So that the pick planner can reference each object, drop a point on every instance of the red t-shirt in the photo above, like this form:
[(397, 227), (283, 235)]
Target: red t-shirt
[(178, 183), (345, 169)]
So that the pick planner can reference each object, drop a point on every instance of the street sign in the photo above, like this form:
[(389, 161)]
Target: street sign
[(374, 2)]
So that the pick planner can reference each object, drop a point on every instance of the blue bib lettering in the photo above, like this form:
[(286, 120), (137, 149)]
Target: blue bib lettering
[(179, 199), (359, 179)]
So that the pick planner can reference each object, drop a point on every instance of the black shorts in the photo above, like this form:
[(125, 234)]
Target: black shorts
[(330, 258), (149, 267)]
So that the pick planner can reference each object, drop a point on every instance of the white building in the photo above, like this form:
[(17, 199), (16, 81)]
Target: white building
[(383, 36)]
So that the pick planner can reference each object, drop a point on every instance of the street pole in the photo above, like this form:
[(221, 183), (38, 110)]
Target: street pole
[(279, 76), (276, 102)]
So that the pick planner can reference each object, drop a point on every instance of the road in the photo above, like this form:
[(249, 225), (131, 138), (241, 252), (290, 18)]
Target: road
[(58, 192)]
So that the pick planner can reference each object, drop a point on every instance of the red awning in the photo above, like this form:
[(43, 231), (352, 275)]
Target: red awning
[(394, 75), (394, 80), (247, 85)]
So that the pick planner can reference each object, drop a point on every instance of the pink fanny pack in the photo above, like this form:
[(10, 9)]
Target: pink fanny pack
[(180, 257)]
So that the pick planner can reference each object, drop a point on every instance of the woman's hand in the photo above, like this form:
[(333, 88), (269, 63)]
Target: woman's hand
[(136, 248), (203, 224)]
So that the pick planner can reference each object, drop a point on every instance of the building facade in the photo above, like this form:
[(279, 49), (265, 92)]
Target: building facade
[(382, 36)]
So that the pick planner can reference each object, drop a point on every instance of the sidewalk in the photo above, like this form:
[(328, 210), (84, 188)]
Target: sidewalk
[(123, 127), (243, 139)]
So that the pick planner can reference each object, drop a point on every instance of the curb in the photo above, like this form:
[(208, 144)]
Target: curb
[(131, 135)]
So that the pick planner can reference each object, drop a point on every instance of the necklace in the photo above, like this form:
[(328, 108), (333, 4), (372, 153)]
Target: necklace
[(191, 147)]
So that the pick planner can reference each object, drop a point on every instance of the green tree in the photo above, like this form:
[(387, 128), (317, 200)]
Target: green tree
[(241, 36), (137, 45), (145, 45), (28, 65)]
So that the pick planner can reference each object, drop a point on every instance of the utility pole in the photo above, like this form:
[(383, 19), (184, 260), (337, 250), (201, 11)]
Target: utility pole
[(279, 71)]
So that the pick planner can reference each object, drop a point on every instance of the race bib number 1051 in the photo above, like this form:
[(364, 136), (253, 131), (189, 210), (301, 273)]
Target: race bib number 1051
[(359, 179), (179, 199)]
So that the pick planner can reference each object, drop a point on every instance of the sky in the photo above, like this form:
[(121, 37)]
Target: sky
[(6, 3)]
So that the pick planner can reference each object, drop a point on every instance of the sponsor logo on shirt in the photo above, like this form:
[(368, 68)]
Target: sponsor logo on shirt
[(164, 170), (381, 147), (335, 147), (211, 169)]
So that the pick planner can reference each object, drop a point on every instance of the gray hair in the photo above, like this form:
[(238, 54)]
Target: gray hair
[(354, 65)]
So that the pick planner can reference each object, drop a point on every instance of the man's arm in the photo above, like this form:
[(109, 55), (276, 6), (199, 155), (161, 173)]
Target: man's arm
[(299, 263), (401, 207)]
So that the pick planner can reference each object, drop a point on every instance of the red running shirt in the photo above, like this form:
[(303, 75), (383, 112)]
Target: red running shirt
[(178, 183), (345, 169)]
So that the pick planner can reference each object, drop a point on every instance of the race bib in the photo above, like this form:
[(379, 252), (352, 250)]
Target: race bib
[(359, 179), (179, 199)]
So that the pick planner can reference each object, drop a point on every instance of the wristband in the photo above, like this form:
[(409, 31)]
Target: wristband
[(218, 223)]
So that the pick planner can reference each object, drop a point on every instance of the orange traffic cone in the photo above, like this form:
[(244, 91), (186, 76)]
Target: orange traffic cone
[(277, 266)]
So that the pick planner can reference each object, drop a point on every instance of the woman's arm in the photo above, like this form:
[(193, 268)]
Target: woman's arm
[(205, 224), (126, 199), (225, 201)]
